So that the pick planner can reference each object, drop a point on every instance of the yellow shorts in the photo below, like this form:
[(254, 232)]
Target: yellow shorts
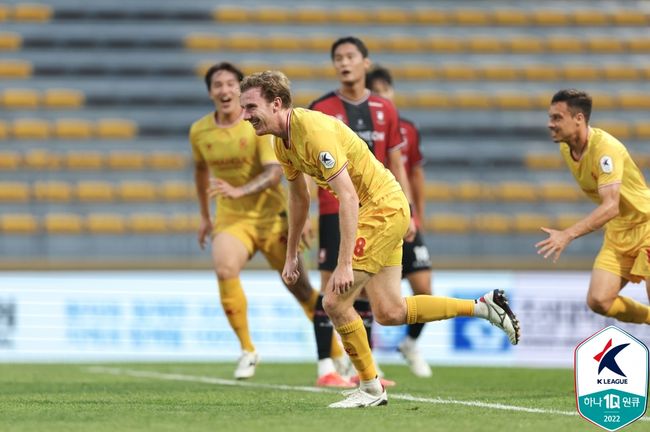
[(381, 227), (626, 253), (267, 236)]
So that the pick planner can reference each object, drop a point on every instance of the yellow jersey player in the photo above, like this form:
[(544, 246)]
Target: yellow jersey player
[(251, 211), (605, 171), (374, 216)]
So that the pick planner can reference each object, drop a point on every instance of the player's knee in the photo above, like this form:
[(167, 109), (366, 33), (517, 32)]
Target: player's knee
[(301, 290), (600, 305), (332, 306), (227, 271), (389, 316)]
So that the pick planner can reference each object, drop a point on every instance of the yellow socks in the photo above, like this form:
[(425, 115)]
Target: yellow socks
[(336, 351), (627, 310), (425, 308), (355, 342), (234, 305), (309, 306)]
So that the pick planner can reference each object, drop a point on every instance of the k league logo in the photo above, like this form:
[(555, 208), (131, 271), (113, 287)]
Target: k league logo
[(611, 373)]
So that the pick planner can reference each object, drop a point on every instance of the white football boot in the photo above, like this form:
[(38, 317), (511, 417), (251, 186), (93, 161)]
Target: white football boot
[(409, 349), (358, 398), (246, 365), (500, 315)]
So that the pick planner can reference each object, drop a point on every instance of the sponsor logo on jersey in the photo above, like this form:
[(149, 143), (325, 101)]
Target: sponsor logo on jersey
[(606, 164), (326, 159)]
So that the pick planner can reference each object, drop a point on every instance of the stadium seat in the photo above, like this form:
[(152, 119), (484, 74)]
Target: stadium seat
[(391, 16), (52, 191), (550, 17), (130, 190), (18, 98), (531, 222), (167, 161), (580, 72), (445, 44), (184, 222), (565, 220), (620, 130), (633, 101), (590, 17), (510, 17), (432, 100), (604, 45), (350, 16), (202, 42), (642, 130), (513, 101), (621, 72), (565, 44), (516, 191), (471, 100), (500, 73), (541, 72), (414, 72), (147, 223), (405, 44), (15, 69), (485, 44), (4, 12), (470, 17), (544, 161), (63, 98), (4, 130), (94, 191), (469, 190), (63, 223), (560, 191), (105, 223), (271, 15), (307, 15), (491, 223), (73, 129), (32, 12), (84, 160), (298, 70), (231, 15), (526, 45), (639, 45), (628, 17), (116, 129), (432, 16), (39, 159), (318, 43), (437, 191), (31, 129), (304, 99), (604, 101), (448, 223), (14, 191), (122, 160), (243, 42), (177, 191), (18, 223), (9, 160), (280, 42)]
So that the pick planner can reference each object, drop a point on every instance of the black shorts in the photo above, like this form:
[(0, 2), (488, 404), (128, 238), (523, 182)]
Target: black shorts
[(415, 256), (329, 239)]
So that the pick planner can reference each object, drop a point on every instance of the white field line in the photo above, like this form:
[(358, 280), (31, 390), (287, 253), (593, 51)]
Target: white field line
[(249, 384)]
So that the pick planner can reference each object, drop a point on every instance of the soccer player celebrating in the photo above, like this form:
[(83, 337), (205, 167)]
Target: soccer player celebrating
[(376, 121), (251, 212), (603, 169), (374, 217), (416, 262)]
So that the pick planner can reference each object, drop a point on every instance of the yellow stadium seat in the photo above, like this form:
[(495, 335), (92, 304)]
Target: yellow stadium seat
[(32, 12), (550, 17), (18, 223), (634, 101), (167, 161), (492, 223), (471, 100), (543, 161), (15, 69), (202, 42), (500, 73), (14, 191), (565, 44), (73, 129), (526, 44), (513, 101), (639, 45), (4, 130), (298, 70), (531, 222), (604, 101), (642, 130), (471, 17), (469, 190), (605, 45), (432, 100), (116, 129), (590, 17), (305, 15), (10, 41), (578, 72), (177, 191), (148, 223), (449, 223), (405, 43), (485, 44), (304, 99), (184, 222), (619, 130), (437, 191), (243, 42), (319, 43), (94, 191), (20, 99), (31, 129), (621, 72), (510, 17), (628, 17), (415, 72), (280, 42), (565, 220), (351, 16), (516, 191), (84, 160), (431, 16), (374, 44), (272, 15), (457, 72), (445, 44), (541, 72), (393, 16), (231, 15), (63, 223), (560, 191), (105, 223), (54, 191), (121, 160), (10, 160), (63, 98), (137, 191), (39, 159), (4, 12)]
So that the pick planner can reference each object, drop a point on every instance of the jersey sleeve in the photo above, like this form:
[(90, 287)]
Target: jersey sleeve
[(290, 172), (265, 150), (394, 138), (326, 153), (197, 156), (609, 163)]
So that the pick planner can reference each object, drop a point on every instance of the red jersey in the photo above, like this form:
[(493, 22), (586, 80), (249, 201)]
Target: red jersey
[(373, 118), (411, 155)]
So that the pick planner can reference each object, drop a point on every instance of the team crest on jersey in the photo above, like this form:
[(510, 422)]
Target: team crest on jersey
[(380, 117), (326, 159), (606, 164)]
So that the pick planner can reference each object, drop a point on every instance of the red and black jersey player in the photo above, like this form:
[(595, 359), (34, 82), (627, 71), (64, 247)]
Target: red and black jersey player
[(376, 121)]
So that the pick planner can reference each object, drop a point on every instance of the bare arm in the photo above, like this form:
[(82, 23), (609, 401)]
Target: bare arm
[(270, 177), (608, 209), (416, 179), (298, 212), (397, 168), (201, 181)]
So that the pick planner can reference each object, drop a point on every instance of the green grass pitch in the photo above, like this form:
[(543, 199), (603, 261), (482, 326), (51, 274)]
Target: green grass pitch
[(203, 397)]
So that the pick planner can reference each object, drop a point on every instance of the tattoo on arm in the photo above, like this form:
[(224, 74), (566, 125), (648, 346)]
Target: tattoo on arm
[(268, 178)]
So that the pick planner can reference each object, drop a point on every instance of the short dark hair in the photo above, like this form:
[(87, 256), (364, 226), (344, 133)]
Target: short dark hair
[(378, 74), (219, 67), (576, 100), (363, 49)]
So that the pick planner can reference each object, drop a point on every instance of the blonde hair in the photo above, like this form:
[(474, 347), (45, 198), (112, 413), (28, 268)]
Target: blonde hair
[(272, 84)]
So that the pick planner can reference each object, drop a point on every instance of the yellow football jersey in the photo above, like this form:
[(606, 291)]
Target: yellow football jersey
[(322, 146), (607, 161), (237, 155)]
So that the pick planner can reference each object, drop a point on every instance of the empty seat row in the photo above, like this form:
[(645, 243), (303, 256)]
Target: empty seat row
[(553, 161), (25, 98), (403, 43), (498, 223), (556, 17), (26, 12), (510, 191), (99, 223), (97, 191), (69, 128), (41, 159)]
